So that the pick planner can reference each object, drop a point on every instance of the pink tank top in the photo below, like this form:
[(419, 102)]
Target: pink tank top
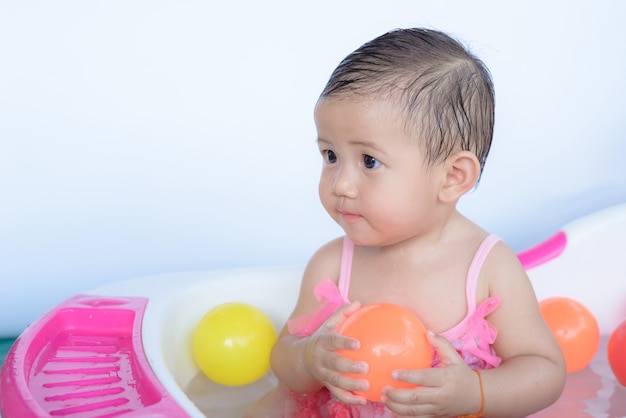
[(472, 337)]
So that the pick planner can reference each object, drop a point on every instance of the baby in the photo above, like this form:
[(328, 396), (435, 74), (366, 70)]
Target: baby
[(404, 127)]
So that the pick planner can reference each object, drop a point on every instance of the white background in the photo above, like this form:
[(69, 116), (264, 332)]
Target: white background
[(145, 137)]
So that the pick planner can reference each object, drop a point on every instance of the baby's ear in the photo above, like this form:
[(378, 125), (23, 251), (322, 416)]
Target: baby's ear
[(462, 172)]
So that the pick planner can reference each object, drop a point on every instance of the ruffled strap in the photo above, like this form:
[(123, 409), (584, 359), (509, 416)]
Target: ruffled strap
[(326, 292), (480, 334)]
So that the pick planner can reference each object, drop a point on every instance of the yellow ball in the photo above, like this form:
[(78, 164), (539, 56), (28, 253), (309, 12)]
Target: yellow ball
[(232, 343)]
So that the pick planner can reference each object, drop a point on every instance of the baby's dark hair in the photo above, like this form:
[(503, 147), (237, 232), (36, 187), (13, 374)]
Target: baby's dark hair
[(446, 93)]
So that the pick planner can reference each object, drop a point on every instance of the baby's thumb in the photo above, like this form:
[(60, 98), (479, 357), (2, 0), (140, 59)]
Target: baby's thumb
[(446, 351)]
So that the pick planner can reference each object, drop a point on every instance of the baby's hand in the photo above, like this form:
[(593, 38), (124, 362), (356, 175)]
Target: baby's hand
[(450, 390), (327, 366)]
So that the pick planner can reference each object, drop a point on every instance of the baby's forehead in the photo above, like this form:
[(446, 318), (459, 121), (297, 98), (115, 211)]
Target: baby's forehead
[(383, 104), (365, 116), (393, 107)]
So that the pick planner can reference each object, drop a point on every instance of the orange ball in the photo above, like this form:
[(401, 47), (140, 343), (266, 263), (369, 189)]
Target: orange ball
[(575, 329), (392, 338), (616, 352)]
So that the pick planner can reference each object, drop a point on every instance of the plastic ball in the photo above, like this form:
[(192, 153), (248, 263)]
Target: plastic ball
[(575, 329), (392, 338), (232, 343), (616, 352)]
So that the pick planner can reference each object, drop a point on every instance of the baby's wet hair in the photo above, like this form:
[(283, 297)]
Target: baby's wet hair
[(446, 93)]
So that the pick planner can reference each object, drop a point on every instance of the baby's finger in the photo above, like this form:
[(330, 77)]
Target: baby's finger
[(344, 384), (337, 362), (348, 397), (410, 402), (420, 377), (418, 401), (418, 395), (331, 341), (340, 315), (446, 351), (348, 382)]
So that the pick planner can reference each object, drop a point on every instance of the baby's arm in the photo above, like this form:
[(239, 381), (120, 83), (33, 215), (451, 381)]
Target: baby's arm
[(306, 364), (532, 373)]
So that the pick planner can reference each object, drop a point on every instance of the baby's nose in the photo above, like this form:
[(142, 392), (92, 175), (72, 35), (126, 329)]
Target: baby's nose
[(345, 184)]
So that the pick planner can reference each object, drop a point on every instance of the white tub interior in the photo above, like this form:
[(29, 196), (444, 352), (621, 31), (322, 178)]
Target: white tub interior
[(178, 301)]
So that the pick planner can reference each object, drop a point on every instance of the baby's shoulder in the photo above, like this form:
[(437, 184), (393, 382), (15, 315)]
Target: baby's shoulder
[(502, 265), (324, 264), (503, 256), (326, 261)]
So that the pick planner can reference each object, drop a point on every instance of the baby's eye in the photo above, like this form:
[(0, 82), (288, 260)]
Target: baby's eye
[(370, 162), (329, 156)]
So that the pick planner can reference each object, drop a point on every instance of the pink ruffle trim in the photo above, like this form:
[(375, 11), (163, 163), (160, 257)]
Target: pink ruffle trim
[(326, 292)]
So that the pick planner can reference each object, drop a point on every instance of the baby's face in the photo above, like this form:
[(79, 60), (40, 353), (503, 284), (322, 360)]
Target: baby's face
[(375, 183)]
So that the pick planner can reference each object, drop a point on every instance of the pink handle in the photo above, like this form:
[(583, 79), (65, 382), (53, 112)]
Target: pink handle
[(84, 358), (543, 252)]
